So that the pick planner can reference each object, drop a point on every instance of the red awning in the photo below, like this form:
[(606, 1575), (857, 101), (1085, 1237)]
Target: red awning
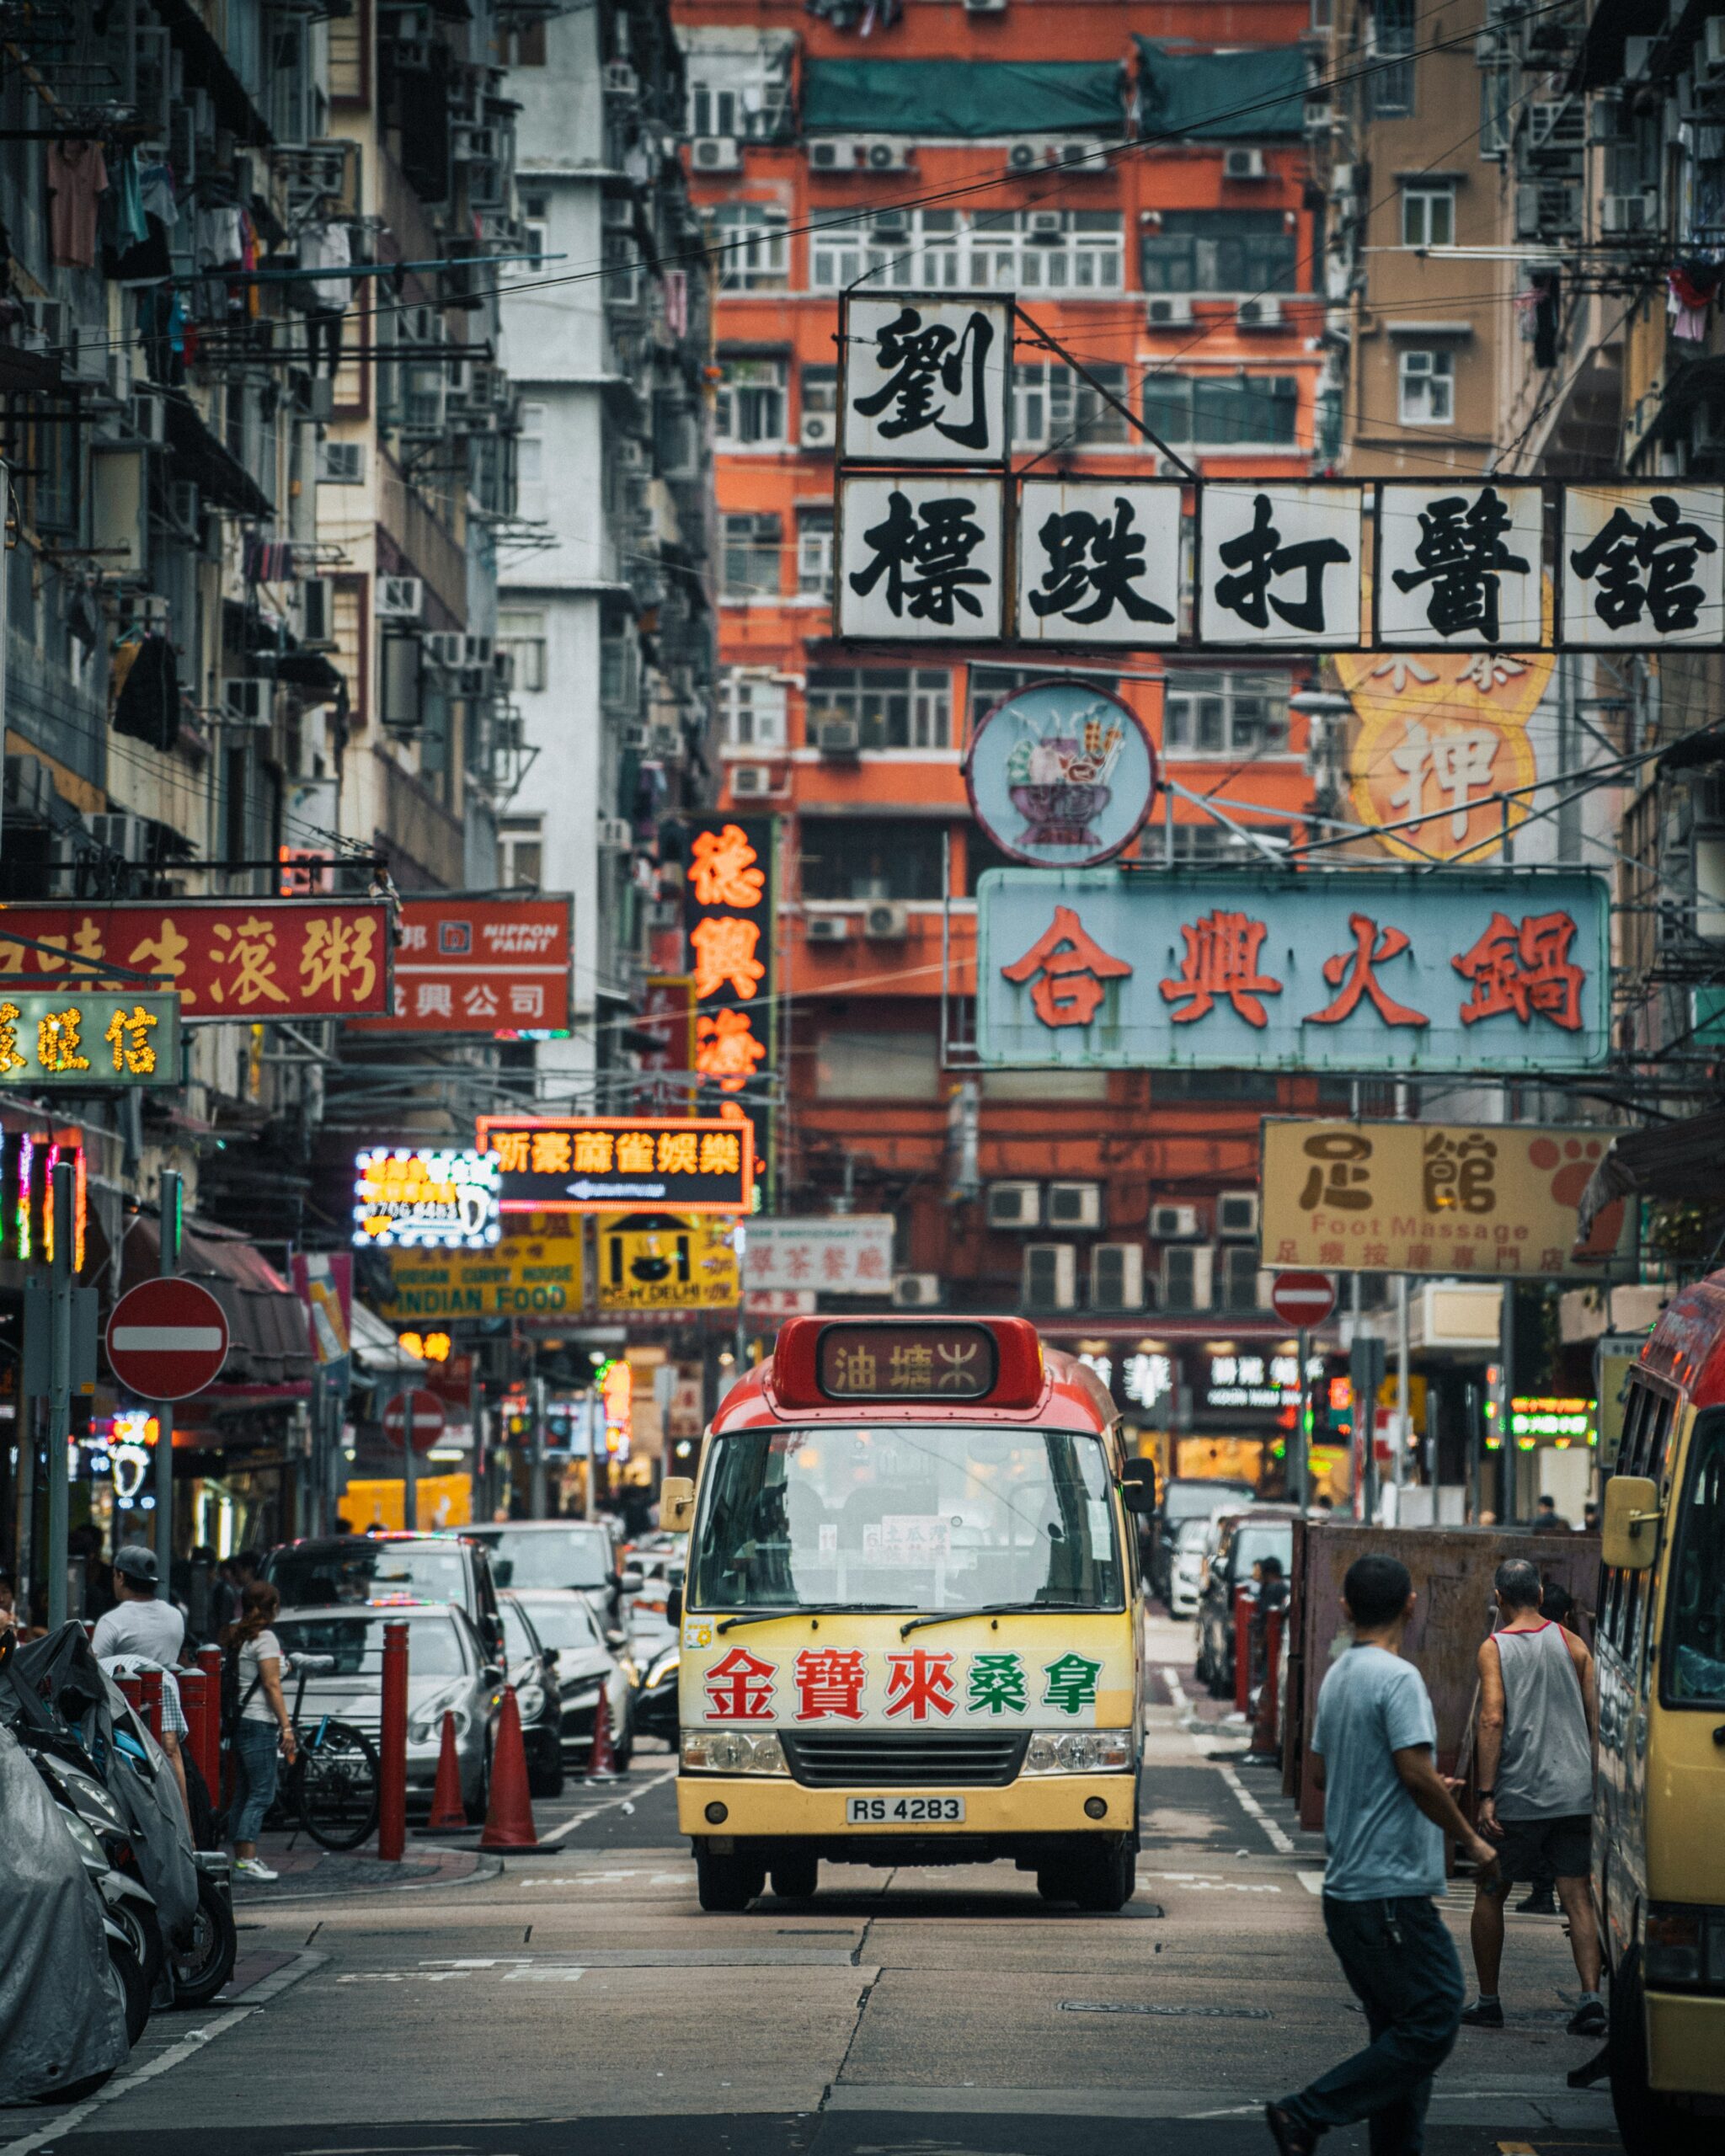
[(269, 1357)]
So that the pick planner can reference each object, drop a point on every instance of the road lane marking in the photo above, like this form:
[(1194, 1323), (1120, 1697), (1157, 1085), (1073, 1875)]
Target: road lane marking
[(1279, 1839), (1312, 1882), (594, 1811)]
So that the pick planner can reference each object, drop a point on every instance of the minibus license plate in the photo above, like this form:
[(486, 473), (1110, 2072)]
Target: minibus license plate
[(902, 1810)]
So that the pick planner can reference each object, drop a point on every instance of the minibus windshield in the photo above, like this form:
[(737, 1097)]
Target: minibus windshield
[(905, 1517)]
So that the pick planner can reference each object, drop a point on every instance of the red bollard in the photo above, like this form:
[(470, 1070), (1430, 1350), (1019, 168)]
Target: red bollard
[(1243, 1606), (132, 1691), (210, 1662), (150, 1689), (392, 1748), (1266, 1734), (194, 1705)]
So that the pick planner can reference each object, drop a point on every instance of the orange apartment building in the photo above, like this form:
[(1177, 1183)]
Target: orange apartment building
[(1174, 260)]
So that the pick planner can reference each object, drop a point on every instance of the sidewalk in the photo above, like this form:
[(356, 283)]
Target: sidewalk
[(309, 1873)]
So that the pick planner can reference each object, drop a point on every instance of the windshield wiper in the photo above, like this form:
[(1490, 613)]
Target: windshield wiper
[(991, 1609), (806, 1609)]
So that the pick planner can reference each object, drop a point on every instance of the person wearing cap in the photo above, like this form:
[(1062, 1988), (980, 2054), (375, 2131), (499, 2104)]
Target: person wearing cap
[(138, 1624)]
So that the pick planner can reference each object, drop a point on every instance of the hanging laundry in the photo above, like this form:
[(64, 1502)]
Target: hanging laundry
[(146, 703), (156, 186), (325, 246), (77, 179), (268, 561), (127, 205), (220, 237), (147, 261)]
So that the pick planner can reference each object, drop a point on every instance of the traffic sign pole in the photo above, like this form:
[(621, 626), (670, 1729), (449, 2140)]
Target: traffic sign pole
[(410, 1465), (1302, 1442), (60, 1279), (167, 1268)]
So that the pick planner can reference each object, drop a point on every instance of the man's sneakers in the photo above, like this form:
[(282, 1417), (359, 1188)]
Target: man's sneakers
[(1483, 2013), (1292, 2138), (251, 1867), (1589, 2018)]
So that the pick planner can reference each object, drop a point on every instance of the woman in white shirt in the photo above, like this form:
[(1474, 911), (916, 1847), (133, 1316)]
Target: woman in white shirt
[(265, 1731)]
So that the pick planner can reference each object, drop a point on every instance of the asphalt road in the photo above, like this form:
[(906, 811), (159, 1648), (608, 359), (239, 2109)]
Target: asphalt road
[(578, 2002)]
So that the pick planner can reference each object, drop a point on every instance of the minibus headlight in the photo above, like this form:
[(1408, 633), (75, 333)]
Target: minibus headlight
[(1079, 1752), (733, 1752), (1683, 1945)]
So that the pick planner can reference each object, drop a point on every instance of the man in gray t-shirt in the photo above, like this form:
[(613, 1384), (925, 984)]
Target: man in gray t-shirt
[(1386, 1815), (138, 1624)]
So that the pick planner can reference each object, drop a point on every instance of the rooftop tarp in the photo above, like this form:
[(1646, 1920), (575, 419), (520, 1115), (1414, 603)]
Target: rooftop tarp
[(967, 99), (1251, 94)]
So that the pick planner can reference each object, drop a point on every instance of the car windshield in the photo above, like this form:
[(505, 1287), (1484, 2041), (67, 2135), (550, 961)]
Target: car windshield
[(565, 1621), (1193, 1535), (907, 1517), (1269, 1539), (1184, 1501), (518, 1635), (434, 1642), (368, 1573), (560, 1557)]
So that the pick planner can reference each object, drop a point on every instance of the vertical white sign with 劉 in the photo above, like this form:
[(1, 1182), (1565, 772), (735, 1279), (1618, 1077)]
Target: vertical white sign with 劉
[(1458, 566), (1098, 561), (921, 560), (1278, 565), (925, 380), (1643, 567)]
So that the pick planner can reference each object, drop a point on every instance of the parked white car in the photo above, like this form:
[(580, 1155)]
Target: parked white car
[(1185, 1573)]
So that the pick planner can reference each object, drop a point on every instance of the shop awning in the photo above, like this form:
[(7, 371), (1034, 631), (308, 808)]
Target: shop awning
[(269, 1356), (1682, 1159), (1255, 94), (377, 1353), (200, 455), (963, 98)]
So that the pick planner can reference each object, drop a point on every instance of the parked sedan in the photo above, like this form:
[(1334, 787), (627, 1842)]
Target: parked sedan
[(533, 1670), (1243, 1539), (585, 1661), (355, 1570), (1187, 1497), (1186, 1580), (447, 1669), (574, 1554)]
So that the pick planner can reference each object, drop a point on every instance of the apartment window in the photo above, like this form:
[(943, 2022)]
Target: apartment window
[(1221, 251), (524, 47), (752, 710), (752, 242), (749, 410), (1213, 845), (1222, 411), (520, 847), (1185, 1277), (521, 633), (1225, 714), (1204, 1086), (1237, 1288), (1499, 105), (529, 464), (870, 858), (625, 283), (536, 220), (1426, 391), (877, 1066), (751, 545), (1048, 250), (1428, 217), (814, 553), (341, 463), (991, 684), (893, 707), (1053, 408), (1390, 89), (909, 249), (619, 671), (742, 93), (820, 391)]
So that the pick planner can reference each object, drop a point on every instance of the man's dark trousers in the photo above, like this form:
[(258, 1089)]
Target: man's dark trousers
[(1401, 1966)]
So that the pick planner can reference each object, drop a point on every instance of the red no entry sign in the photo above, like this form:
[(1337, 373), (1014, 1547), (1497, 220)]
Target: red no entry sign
[(1302, 1298), (167, 1339), (427, 1409)]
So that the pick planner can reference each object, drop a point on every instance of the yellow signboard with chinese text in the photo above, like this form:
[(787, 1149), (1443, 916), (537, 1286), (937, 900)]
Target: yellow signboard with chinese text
[(1495, 1200), (92, 1040), (666, 1261), (528, 1274)]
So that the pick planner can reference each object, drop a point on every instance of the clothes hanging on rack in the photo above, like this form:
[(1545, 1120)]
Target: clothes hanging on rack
[(125, 202), (77, 179), (325, 246), (146, 699), (156, 188)]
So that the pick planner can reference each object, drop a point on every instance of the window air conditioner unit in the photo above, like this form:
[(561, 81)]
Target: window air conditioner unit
[(635, 736), (443, 648), (1236, 1213), (1344, 179), (752, 782), (886, 920), (817, 431), (827, 928), (915, 1291), (1170, 1223), (717, 153), (838, 737), (247, 700), (1046, 220), (1168, 311), (1243, 164), (832, 153), (149, 416), (317, 611), (182, 506), (985, 6), (126, 837), (400, 598), (1117, 1277), (1608, 120), (1050, 1277), (882, 153), (1015, 1205), (1259, 314), (1024, 157), (614, 834), (1185, 1277), (1622, 214), (620, 80), (1074, 1205), (117, 372), (87, 355), (1075, 157)]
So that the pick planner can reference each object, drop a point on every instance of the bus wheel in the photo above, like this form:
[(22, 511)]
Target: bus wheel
[(727, 1883), (795, 1878), (1651, 2124), (1099, 1876)]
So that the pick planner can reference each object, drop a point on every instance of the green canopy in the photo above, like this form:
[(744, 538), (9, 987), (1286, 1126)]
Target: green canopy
[(1254, 94), (961, 97)]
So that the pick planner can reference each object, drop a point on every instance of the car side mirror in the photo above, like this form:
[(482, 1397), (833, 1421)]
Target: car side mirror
[(491, 1673), (631, 1582), (615, 1639), (674, 1607)]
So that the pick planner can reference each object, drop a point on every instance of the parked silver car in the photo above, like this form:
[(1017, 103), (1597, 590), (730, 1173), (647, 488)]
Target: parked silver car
[(585, 1661), (446, 1670), (576, 1554)]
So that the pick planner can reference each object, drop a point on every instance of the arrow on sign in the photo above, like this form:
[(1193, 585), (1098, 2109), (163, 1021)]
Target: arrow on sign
[(616, 1189)]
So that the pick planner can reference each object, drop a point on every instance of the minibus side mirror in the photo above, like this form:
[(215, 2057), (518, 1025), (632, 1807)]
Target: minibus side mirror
[(1629, 1536), (1138, 1497), (676, 1504), (674, 1607)]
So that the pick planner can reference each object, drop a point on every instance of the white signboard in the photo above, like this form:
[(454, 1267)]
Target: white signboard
[(926, 381), (1098, 561), (850, 1254), (1458, 566), (1644, 567), (1279, 566), (922, 560)]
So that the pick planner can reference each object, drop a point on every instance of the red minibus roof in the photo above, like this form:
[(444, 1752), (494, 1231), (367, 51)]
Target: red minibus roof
[(1687, 1346)]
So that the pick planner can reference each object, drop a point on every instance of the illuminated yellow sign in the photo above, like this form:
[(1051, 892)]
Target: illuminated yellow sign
[(444, 1200), (88, 1040), (666, 1261), (528, 1274)]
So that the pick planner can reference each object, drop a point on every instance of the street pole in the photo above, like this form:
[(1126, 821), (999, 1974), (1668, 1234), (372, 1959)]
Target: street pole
[(1301, 1478), (169, 1265), (1402, 1417), (1506, 1440), (541, 1510), (60, 1285), (593, 1437), (409, 1466)]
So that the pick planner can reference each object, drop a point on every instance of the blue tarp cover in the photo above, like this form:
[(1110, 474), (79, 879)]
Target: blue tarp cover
[(1255, 94), (965, 98)]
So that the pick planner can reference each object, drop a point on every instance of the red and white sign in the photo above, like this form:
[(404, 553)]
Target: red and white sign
[(427, 1411), (779, 1302), (491, 966), (1302, 1298), (167, 1339)]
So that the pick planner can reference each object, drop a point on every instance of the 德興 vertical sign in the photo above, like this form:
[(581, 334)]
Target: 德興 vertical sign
[(729, 914)]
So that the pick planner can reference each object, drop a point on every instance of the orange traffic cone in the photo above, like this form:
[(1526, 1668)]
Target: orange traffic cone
[(601, 1763), (448, 1809), (509, 1817)]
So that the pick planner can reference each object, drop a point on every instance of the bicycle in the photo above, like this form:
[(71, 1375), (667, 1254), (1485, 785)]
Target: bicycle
[(332, 1781)]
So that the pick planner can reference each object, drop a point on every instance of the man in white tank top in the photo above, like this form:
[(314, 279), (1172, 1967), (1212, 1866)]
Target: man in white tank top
[(1538, 1724)]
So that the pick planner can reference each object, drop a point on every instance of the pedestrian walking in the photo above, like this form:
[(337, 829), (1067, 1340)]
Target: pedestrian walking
[(139, 1623), (1556, 1602), (1387, 1818), (1547, 1519), (263, 1732), (1538, 1724)]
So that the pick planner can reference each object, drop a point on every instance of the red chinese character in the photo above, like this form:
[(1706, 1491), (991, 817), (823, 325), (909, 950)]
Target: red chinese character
[(739, 1689), (1551, 1260), (1221, 959), (1376, 1254), (917, 1681), (1419, 1257), (831, 1682), (1332, 1253), (1462, 1257), (1354, 974), (1524, 970), (1072, 966)]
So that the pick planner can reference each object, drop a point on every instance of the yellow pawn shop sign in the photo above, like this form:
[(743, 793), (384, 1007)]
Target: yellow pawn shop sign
[(667, 1262)]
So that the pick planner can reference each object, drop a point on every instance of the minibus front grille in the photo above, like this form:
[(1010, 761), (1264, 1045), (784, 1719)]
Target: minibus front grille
[(903, 1758)]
